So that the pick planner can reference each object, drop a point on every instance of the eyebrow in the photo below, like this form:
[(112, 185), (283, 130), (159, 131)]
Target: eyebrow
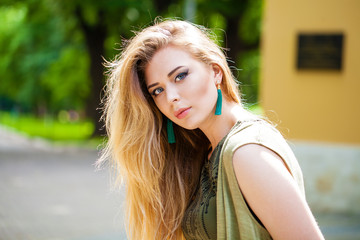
[(152, 85), (169, 74)]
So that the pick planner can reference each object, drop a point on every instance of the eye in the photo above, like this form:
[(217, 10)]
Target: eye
[(181, 76), (157, 91)]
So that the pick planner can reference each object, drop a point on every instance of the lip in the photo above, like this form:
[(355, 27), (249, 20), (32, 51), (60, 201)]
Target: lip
[(182, 112)]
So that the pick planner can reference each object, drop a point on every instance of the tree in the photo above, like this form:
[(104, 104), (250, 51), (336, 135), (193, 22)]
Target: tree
[(55, 49), (97, 20), (27, 51), (58, 42)]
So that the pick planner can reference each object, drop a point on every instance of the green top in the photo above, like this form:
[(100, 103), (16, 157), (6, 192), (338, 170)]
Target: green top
[(199, 221), (219, 210)]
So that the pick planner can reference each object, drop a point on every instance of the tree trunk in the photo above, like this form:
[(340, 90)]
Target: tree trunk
[(95, 37), (95, 43), (233, 43)]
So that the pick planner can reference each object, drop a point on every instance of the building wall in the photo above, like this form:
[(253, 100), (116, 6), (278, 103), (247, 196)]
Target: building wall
[(318, 111), (316, 105), (331, 175)]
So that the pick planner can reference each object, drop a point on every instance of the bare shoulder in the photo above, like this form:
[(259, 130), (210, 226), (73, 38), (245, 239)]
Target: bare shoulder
[(272, 193), (257, 156)]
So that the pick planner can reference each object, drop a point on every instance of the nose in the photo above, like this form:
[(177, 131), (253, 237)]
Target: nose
[(172, 93)]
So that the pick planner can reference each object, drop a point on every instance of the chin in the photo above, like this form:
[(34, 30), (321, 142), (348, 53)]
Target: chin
[(189, 126)]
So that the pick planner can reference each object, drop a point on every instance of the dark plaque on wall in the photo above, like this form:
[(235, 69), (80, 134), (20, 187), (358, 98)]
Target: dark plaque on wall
[(320, 51)]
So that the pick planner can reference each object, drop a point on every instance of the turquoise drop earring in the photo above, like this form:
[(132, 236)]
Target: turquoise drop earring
[(170, 131), (219, 101)]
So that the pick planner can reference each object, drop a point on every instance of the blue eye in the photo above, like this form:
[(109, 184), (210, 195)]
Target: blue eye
[(157, 91), (181, 76)]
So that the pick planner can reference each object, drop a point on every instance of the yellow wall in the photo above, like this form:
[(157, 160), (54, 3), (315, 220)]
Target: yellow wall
[(312, 105)]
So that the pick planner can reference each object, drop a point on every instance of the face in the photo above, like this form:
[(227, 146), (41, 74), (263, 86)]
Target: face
[(183, 88)]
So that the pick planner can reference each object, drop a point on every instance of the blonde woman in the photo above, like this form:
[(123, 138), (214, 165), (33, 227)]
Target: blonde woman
[(196, 164)]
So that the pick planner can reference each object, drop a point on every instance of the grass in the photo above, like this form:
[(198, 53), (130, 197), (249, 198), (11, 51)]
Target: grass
[(48, 127)]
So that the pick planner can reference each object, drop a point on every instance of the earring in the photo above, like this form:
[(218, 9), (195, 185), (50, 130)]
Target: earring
[(219, 101), (170, 131)]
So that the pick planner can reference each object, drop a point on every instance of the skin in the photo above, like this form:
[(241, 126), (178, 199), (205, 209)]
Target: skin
[(177, 82), (273, 195), (192, 85)]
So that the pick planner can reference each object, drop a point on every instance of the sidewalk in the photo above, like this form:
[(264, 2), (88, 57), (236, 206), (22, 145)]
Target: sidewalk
[(339, 226), (49, 193), (54, 193)]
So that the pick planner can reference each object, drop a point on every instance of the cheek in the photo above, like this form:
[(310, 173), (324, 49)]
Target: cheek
[(158, 104), (162, 105), (207, 91)]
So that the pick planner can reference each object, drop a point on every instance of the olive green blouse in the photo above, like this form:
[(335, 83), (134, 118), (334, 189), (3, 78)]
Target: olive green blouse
[(218, 209)]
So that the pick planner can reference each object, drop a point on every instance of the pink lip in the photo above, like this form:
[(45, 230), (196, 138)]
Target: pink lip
[(182, 112)]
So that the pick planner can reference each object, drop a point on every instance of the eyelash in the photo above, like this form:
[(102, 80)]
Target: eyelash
[(178, 78), (154, 91), (181, 75)]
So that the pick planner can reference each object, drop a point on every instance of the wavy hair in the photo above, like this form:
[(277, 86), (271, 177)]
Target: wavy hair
[(160, 178)]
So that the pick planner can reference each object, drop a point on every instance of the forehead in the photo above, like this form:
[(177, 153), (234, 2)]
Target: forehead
[(166, 59)]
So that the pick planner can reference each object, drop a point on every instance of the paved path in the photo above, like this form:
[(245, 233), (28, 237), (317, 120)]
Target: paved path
[(54, 193)]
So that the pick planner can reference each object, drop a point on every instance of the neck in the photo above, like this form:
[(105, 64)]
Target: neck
[(217, 127)]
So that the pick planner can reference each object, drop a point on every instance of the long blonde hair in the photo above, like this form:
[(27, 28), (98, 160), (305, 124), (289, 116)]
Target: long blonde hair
[(159, 177)]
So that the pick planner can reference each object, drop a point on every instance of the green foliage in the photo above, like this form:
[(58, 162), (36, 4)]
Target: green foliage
[(29, 45), (66, 81), (248, 75), (250, 27), (42, 67), (12, 19), (217, 24), (44, 56), (248, 15)]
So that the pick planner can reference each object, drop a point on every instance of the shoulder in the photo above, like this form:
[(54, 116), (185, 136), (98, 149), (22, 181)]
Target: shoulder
[(255, 131), (255, 155), (263, 161), (258, 142), (272, 193), (258, 167), (254, 151)]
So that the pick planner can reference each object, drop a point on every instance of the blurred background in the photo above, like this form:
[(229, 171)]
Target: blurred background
[(52, 54), (296, 63)]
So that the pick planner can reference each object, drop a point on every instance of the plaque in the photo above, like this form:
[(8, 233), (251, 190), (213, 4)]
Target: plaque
[(320, 51)]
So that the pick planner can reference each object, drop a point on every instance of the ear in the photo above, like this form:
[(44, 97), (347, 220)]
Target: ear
[(217, 73)]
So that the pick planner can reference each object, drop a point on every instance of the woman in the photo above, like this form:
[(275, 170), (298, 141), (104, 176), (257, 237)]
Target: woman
[(196, 164)]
